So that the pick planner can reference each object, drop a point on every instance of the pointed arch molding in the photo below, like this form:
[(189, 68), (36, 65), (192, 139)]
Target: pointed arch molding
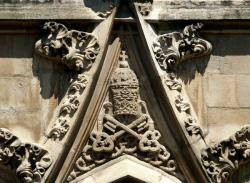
[(222, 160), (125, 127)]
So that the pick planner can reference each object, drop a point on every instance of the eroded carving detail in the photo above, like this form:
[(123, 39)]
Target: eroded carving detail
[(68, 108), (125, 128), (173, 48), (222, 160), (77, 50), (29, 161)]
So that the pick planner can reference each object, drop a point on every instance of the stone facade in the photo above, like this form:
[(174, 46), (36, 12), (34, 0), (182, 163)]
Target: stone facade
[(124, 91)]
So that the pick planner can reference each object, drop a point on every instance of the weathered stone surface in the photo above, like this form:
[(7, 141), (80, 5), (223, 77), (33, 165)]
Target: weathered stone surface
[(224, 121), (219, 91)]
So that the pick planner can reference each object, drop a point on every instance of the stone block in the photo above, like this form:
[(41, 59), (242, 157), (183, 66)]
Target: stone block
[(19, 92), (219, 91), (15, 67), (223, 122), (235, 64), (25, 124), (242, 90)]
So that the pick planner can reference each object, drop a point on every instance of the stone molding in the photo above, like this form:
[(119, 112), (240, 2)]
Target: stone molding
[(223, 159), (29, 161), (78, 51), (173, 48), (125, 128)]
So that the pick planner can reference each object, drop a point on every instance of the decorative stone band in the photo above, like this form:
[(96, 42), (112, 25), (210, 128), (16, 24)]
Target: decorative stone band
[(30, 162), (223, 159), (76, 49), (125, 128), (68, 108), (173, 48)]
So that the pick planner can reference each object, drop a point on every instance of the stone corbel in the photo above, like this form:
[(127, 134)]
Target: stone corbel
[(173, 48), (29, 161), (222, 160)]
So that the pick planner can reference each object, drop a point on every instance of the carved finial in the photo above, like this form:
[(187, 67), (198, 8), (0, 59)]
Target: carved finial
[(77, 50), (173, 48)]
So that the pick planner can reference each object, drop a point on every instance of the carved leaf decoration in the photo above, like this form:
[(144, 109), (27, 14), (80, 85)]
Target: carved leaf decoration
[(173, 48), (76, 49), (222, 160), (29, 161)]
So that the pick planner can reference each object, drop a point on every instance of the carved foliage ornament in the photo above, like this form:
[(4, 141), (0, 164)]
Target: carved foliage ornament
[(222, 160), (68, 108), (76, 49), (125, 128), (29, 161), (173, 48)]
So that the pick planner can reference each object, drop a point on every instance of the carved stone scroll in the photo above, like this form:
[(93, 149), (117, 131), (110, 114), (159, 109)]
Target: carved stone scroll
[(223, 159), (29, 161), (173, 48), (76, 49), (125, 128)]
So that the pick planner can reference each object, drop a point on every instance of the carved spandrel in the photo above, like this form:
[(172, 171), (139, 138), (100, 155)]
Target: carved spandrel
[(29, 161), (125, 128), (222, 160)]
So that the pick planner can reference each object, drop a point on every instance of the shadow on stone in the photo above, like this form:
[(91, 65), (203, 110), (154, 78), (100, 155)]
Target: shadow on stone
[(54, 78), (186, 71)]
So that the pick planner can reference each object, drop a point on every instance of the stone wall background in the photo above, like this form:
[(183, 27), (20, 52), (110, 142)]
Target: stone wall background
[(31, 87), (220, 94)]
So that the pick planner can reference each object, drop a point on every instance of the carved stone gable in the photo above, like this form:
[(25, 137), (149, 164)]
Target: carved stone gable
[(125, 127)]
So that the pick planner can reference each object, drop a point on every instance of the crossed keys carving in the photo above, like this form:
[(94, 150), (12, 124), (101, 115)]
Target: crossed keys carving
[(142, 129)]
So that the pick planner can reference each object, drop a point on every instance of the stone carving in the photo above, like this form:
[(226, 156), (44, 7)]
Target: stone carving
[(77, 50), (181, 105), (173, 48), (30, 162), (145, 8), (222, 160), (68, 108), (125, 128)]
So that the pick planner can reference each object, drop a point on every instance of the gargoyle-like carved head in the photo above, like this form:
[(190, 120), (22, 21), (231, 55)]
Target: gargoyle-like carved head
[(76, 49)]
